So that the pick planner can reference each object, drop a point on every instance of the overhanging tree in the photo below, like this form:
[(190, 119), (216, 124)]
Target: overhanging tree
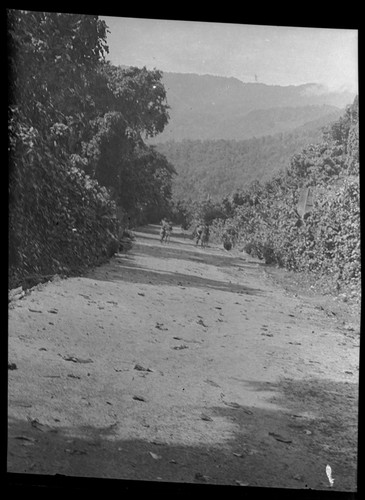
[(52, 60), (132, 105)]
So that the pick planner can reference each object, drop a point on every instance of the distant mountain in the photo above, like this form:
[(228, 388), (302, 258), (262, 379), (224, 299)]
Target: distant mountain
[(215, 107), (219, 167)]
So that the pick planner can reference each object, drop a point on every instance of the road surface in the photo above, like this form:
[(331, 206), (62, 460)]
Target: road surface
[(176, 363)]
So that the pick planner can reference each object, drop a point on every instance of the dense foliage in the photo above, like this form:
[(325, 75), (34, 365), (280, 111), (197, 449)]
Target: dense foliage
[(76, 145), (78, 129), (215, 168), (326, 240)]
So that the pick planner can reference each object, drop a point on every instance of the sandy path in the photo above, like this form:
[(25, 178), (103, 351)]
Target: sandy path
[(176, 363)]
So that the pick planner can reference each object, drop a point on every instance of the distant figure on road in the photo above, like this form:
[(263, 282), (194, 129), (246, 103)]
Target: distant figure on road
[(198, 234), (168, 231), (205, 236), (163, 230), (227, 242), (202, 235)]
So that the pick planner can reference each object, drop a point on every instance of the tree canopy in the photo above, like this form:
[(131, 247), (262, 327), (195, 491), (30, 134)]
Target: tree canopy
[(76, 128), (217, 168)]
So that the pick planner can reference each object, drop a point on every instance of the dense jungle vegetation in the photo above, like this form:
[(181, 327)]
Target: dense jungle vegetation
[(215, 168), (77, 154), (81, 168), (267, 220)]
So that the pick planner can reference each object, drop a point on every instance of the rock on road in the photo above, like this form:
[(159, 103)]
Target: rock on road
[(183, 364)]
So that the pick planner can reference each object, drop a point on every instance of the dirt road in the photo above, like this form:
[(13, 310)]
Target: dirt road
[(184, 364)]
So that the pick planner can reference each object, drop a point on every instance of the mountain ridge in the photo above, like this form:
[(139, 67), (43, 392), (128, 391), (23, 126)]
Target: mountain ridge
[(214, 106)]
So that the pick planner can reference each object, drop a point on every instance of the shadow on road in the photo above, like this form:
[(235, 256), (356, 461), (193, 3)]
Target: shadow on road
[(268, 447), (127, 270), (193, 254), (126, 267), (186, 249)]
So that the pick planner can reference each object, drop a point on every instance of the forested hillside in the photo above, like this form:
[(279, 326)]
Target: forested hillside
[(217, 168), (270, 221), (81, 163), (213, 107), (77, 153)]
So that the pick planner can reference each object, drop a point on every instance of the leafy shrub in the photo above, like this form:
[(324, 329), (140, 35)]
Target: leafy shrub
[(60, 221), (326, 241), (72, 114)]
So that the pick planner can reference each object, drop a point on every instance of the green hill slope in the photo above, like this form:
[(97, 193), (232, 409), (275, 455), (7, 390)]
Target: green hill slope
[(216, 168)]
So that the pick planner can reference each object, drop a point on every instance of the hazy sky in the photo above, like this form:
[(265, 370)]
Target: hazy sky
[(276, 55)]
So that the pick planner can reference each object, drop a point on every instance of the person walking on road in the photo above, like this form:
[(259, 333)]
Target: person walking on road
[(205, 236), (198, 233), (168, 232), (163, 230)]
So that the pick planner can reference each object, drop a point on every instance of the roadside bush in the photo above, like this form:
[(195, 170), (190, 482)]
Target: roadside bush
[(60, 221), (326, 240)]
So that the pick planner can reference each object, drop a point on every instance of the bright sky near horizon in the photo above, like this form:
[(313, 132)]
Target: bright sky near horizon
[(275, 55)]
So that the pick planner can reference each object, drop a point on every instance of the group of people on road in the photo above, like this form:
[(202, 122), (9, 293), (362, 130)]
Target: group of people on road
[(200, 234), (165, 231)]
